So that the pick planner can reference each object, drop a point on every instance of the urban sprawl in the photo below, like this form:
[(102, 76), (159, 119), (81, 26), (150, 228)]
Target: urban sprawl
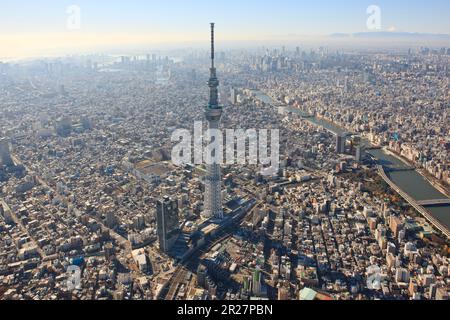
[(87, 182)]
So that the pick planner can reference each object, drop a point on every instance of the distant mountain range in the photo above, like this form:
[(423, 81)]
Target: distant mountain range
[(392, 35)]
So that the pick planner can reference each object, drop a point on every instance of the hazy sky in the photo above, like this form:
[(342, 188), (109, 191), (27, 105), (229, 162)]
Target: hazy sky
[(32, 26)]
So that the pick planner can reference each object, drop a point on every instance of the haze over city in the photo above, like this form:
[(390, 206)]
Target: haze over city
[(32, 28)]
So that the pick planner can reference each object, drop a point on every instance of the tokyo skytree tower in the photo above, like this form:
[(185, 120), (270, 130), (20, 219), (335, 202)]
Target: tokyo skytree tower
[(213, 113)]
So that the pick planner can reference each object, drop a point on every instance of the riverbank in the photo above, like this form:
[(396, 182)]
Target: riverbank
[(399, 157), (432, 180)]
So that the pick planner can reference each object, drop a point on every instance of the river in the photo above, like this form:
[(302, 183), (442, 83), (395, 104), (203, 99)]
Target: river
[(410, 181), (414, 184)]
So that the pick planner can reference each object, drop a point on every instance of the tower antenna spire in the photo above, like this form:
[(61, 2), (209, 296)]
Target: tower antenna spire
[(212, 44), (213, 82)]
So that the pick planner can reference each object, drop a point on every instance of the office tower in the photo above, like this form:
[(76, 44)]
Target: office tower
[(168, 225), (340, 144), (5, 212), (257, 282), (359, 149), (402, 275), (201, 276), (247, 284), (359, 153), (139, 222), (233, 96), (111, 220), (396, 226), (213, 113), (5, 153)]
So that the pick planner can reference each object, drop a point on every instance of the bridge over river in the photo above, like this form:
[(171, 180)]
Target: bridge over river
[(436, 223), (434, 202)]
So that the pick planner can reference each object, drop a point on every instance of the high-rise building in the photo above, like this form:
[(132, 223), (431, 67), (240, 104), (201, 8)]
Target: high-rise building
[(5, 153), (402, 275), (359, 153), (201, 276), (257, 282), (233, 96), (168, 224), (247, 284), (340, 144), (5, 211), (213, 113), (359, 149), (111, 220), (396, 225)]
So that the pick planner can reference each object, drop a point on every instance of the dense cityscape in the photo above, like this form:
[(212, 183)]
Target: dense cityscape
[(354, 203)]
